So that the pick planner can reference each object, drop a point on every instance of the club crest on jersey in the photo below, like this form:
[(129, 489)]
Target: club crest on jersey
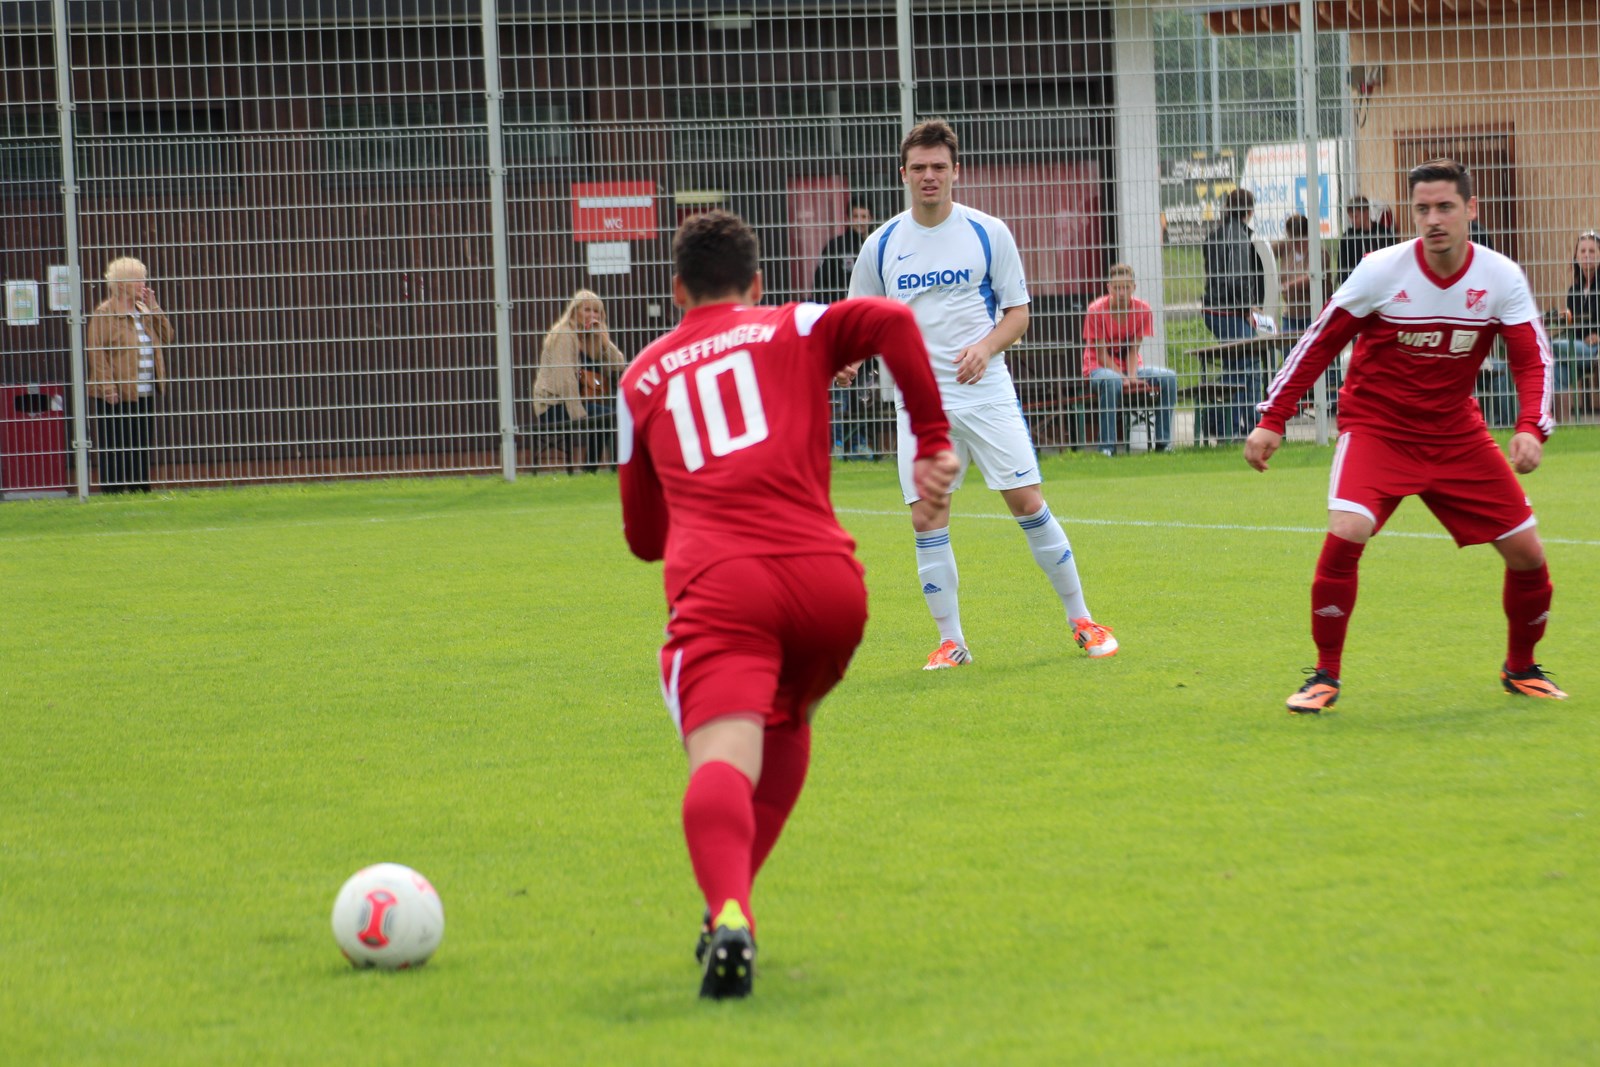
[(1476, 299)]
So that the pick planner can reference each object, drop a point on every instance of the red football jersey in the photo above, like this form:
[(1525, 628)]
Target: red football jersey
[(1420, 342), (1108, 337), (724, 428)]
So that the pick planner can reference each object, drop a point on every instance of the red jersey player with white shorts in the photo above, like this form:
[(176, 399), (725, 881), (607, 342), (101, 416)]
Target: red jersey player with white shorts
[(1424, 315), (723, 463)]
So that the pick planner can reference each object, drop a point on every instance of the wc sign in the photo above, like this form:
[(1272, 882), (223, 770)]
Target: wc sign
[(613, 211)]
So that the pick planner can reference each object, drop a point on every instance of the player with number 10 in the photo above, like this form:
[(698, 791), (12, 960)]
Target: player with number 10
[(723, 465)]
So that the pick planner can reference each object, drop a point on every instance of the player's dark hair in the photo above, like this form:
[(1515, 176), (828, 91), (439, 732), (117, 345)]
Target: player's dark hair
[(715, 254), (1238, 203), (933, 133), (1296, 226), (859, 204), (1442, 170)]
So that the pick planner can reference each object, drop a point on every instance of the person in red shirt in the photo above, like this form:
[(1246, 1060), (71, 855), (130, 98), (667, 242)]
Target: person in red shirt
[(1114, 330), (723, 465), (1424, 316)]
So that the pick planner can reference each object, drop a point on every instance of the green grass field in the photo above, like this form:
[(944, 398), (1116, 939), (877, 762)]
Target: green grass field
[(217, 705)]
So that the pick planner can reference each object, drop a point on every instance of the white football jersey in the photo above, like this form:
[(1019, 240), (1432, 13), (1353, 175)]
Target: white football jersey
[(956, 277)]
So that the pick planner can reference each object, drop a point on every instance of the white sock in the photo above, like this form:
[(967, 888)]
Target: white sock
[(1053, 552), (936, 570)]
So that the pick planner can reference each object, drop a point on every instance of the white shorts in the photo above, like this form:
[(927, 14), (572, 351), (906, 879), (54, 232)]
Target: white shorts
[(994, 436)]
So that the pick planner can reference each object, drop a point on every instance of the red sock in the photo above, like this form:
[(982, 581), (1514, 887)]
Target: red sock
[(785, 757), (1333, 598), (719, 825), (1526, 598)]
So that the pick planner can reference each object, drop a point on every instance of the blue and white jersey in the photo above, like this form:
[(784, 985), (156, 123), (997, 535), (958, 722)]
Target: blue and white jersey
[(956, 277)]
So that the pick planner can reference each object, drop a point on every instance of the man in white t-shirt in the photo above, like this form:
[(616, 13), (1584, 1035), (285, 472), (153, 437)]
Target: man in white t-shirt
[(959, 272)]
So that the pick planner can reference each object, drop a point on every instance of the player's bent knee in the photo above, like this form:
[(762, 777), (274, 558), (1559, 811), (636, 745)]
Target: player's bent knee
[(1024, 500), (735, 739), (1522, 551), (1351, 526), (930, 515)]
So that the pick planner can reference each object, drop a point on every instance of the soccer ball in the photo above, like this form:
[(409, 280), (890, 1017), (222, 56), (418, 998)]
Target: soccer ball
[(388, 916)]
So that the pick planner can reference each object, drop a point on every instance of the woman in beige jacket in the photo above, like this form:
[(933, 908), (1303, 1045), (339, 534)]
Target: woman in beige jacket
[(574, 391), (126, 371)]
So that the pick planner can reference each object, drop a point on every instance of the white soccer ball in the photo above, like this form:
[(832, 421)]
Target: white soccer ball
[(387, 916)]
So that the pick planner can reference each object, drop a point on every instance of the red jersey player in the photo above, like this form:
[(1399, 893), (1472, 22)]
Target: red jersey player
[(1424, 314), (722, 450)]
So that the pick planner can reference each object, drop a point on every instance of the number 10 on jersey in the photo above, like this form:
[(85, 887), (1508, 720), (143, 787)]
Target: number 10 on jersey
[(717, 434)]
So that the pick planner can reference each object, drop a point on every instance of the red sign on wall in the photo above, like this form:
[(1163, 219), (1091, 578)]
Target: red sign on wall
[(819, 209), (613, 211), (1054, 212)]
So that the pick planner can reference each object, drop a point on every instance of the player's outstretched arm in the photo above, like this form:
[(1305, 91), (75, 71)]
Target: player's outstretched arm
[(854, 330), (1260, 445)]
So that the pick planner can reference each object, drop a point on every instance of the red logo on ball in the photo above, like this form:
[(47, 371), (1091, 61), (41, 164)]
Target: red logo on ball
[(379, 901)]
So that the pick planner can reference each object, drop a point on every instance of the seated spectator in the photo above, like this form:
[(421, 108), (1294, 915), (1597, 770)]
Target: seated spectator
[(573, 391), (1113, 330), (1578, 348)]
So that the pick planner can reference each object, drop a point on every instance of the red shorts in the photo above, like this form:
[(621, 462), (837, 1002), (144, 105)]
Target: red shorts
[(1470, 487), (766, 636)]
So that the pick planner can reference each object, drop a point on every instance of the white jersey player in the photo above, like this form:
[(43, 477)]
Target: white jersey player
[(959, 272)]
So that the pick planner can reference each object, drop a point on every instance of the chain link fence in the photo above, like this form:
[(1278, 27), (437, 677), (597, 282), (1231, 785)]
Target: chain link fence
[(363, 220)]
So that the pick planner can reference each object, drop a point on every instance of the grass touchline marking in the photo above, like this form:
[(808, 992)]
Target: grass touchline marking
[(1071, 521), (1066, 521)]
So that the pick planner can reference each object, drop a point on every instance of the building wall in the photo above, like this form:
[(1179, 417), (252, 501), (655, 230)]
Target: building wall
[(1538, 82)]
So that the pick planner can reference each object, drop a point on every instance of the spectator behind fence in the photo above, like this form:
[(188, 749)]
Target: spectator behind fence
[(573, 393), (1576, 352), (1114, 328), (126, 372), (854, 404), (831, 281), (1236, 286), (1361, 235), (1294, 274)]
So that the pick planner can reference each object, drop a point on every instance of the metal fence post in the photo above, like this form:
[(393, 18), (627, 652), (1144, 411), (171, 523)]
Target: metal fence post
[(1310, 104), (908, 72), (493, 95), (69, 223)]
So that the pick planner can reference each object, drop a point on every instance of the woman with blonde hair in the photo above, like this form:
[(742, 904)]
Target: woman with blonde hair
[(126, 371), (1578, 352), (573, 390)]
